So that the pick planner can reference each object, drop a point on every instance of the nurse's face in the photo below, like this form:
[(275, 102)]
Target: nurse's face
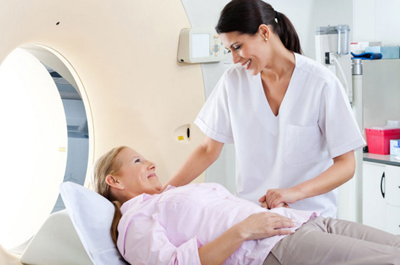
[(137, 175), (250, 51)]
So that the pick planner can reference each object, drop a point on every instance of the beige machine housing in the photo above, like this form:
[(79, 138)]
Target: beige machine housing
[(124, 54)]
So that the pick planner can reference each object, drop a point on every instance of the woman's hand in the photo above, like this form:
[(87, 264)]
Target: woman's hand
[(263, 225), (341, 171), (279, 198)]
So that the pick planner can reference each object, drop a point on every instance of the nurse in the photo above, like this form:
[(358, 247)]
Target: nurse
[(287, 115)]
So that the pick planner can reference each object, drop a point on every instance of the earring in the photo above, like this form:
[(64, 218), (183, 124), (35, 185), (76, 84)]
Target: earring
[(266, 39)]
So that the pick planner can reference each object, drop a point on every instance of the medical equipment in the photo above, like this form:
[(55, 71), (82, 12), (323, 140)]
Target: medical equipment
[(343, 39), (56, 242), (332, 49), (379, 138), (200, 45), (78, 235), (129, 98)]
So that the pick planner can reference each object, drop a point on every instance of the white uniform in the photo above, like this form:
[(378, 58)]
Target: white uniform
[(314, 125)]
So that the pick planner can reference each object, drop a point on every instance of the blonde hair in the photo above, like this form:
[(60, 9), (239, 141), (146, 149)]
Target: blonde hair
[(104, 166)]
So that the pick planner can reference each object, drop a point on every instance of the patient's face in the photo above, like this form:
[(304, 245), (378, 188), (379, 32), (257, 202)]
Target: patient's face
[(137, 174)]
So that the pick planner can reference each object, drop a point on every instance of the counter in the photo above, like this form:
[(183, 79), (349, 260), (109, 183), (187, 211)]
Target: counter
[(383, 159)]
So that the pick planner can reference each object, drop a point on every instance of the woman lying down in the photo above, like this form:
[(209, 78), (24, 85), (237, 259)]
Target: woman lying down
[(205, 224)]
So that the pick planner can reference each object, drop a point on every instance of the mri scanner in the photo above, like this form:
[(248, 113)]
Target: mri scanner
[(121, 59)]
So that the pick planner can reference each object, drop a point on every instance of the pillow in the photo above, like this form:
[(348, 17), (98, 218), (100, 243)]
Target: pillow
[(92, 215)]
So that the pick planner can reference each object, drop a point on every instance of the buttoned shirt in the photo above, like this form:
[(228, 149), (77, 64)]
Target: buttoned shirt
[(168, 228)]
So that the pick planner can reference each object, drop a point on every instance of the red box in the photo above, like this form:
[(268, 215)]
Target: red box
[(378, 140)]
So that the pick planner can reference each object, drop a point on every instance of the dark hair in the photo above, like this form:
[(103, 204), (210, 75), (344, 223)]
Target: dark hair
[(245, 16)]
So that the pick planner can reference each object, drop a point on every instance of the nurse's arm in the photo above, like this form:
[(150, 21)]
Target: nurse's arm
[(199, 160), (340, 172)]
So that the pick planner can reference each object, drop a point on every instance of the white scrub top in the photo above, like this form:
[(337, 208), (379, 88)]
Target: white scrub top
[(315, 124)]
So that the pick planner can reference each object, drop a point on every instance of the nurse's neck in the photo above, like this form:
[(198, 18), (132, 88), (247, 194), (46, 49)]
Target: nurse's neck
[(280, 65)]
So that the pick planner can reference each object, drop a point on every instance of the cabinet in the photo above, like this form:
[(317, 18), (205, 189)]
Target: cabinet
[(381, 196)]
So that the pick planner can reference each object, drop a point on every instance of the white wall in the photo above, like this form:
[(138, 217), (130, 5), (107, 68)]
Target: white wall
[(377, 20), (307, 15)]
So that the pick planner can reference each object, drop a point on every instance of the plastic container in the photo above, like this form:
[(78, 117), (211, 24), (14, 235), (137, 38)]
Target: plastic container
[(395, 147), (378, 140), (343, 39)]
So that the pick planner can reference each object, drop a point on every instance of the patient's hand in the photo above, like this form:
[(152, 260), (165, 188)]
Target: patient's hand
[(265, 224)]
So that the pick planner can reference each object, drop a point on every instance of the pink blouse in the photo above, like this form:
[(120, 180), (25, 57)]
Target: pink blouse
[(168, 228)]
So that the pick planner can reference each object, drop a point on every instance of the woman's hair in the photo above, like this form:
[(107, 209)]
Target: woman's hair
[(245, 16), (104, 166)]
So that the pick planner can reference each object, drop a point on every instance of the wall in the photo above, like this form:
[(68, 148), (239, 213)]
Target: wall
[(376, 20)]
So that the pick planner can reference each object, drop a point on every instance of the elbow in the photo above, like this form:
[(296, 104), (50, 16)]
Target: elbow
[(348, 164), (351, 165), (211, 153), (212, 149), (214, 155), (351, 170)]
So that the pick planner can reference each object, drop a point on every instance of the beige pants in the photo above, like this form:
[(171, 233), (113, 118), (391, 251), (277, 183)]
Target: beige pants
[(331, 241)]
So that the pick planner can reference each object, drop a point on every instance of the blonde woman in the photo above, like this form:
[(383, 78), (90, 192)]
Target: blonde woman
[(205, 224)]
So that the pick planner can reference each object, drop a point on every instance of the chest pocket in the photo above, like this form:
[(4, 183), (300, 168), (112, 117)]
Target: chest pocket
[(302, 145)]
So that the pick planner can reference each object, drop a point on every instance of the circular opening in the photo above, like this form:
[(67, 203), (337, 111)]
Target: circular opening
[(45, 139)]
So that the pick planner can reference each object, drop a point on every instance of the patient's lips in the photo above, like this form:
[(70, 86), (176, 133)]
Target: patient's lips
[(152, 175)]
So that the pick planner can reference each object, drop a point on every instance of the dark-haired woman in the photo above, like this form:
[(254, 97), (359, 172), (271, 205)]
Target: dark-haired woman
[(287, 115)]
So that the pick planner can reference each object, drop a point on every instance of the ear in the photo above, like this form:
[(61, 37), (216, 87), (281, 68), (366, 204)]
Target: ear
[(114, 182), (264, 31)]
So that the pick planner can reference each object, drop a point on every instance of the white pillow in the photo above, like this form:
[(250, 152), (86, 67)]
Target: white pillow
[(92, 215)]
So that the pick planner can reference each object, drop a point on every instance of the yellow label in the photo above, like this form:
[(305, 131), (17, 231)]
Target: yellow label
[(62, 149), (180, 138)]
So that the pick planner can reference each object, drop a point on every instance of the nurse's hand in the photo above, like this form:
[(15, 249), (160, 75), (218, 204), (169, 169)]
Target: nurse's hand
[(264, 204), (279, 198), (265, 224)]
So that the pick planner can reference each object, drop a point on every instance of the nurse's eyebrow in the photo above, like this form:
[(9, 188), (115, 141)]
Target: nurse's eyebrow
[(233, 44)]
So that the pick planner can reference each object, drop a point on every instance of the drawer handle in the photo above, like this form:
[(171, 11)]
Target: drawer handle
[(383, 193)]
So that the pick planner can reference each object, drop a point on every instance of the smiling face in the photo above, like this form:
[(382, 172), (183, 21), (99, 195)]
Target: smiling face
[(136, 176), (250, 51)]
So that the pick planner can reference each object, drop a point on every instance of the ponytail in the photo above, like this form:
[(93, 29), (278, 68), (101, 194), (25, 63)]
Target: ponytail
[(115, 221), (245, 16), (286, 32)]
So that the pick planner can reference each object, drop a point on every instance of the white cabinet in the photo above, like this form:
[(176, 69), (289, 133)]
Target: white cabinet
[(392, 198), (374, 205), (381, 196)]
